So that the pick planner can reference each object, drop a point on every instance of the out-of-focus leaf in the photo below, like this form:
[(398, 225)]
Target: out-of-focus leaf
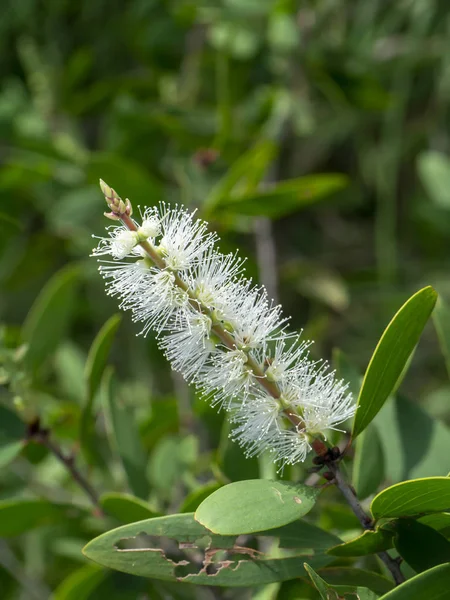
[(69, 366), (432, 585), (370, 542), (438, 521), (350, 576), (125, 438), (98, 354), (434, 172), (128, 178), (412, 498), (391, 355), (368, 466), (231, 458), (49, 317), (420, 546), (94, 369), (80, 584), (247, 171), (9, 451), (286, 197), (195, 498), (166, 466), (347, 371), (126, 508), (240, 568), (441, 319), (300, 534), (20, 515), (417, 445), (255, 505)]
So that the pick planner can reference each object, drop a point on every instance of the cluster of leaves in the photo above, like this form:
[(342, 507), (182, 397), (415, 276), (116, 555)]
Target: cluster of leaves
[(329, 119)]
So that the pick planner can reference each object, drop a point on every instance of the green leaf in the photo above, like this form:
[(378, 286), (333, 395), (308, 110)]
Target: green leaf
[(368, 466), (300, 534), (237, 568), (350, 576), (20, 515), (255, 505), (94, 369), (413, 498), (48, 318), (441, 320), (391, 355), (430, 585), (359, 593), (98, 354), (420, 546), (9, 451), (195, 498), (370, 542), (125, 438), (126, 508), (326, 592), (438, 521), (232, 460), (80, 584), (286, 197), (417, 445), (434, 172), (249, 169)]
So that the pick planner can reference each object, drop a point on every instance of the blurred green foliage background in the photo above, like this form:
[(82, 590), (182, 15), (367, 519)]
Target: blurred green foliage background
[(312, 135)]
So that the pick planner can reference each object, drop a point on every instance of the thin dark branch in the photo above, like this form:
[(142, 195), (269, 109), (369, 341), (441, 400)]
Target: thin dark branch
[(42, 436), (366, 522)]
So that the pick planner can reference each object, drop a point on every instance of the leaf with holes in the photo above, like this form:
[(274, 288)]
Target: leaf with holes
[(168, 548)]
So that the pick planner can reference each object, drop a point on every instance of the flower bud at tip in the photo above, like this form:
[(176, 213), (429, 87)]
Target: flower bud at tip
[(115, 203)]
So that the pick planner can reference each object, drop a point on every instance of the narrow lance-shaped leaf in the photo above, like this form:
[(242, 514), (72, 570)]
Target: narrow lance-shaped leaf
[(441, 319), (254, 162), (286, 197), (391, 355), (95, 366), (326, 591), (125, 438), (48, 318)]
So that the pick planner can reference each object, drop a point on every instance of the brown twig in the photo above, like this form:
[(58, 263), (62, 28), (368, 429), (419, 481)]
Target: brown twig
[(366, 522), (42, 436)]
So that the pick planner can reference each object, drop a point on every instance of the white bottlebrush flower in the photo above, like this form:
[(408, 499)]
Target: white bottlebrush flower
[(254, 320), (119, 244), (212, 280), (150, 226), (220, 331), (184, 240), (255, 423), (227, 379), (189, 348)]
